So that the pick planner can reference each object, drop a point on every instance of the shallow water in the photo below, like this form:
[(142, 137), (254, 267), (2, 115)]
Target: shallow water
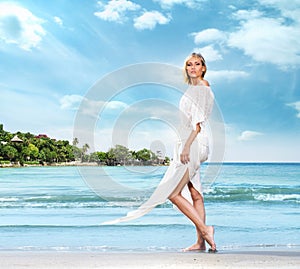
[(53, 208)]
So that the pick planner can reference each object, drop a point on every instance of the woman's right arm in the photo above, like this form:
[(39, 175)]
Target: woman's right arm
[(185, 154)]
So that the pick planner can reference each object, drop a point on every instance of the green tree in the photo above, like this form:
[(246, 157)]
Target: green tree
[(94, 157), (102, 156), (145, 155), (27, 136), (133, 155), (49, 150), (30, 152), (33, 151), (75, 141), (5, 136), (84, 149), (46, 155), (122, 154), (70, 153), (167, 160), (10, 153), (42, 156), (111, 157), (76, 152), (62, 150)]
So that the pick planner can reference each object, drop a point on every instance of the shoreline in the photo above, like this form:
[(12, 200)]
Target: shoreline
[(80, 164), (50, 165), (177, 260), (67, 164)]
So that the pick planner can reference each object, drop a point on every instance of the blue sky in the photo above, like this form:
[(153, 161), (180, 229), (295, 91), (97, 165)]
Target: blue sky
[(52, 52)]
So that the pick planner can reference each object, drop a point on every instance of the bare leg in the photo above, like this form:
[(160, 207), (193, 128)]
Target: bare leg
[(198, 204), (206, 232)]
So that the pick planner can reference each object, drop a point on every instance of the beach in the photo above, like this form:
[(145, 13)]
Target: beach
[(76, 260)]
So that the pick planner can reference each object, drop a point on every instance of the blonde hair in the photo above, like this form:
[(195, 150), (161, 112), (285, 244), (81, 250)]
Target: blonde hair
[(187, 78)]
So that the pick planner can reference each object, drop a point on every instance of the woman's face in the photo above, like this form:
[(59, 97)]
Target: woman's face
[(194, 67)]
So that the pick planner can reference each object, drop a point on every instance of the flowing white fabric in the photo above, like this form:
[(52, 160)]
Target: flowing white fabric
[(196, 105)]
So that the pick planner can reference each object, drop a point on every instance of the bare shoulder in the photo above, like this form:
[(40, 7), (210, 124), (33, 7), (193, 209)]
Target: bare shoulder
[(205, 82)]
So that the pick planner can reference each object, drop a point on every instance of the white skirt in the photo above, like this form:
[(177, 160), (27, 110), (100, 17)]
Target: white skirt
[(173, 178)]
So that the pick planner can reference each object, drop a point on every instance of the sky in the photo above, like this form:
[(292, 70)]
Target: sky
[(52, 53)]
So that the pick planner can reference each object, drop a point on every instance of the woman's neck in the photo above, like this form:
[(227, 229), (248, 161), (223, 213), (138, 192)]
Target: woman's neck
[(195, 81)]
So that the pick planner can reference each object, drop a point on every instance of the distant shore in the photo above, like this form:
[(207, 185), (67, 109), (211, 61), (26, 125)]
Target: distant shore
[(79, 163), (73, 163), (172, 260)]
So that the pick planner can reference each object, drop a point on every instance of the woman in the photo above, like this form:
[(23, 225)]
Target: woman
[(181, 182)]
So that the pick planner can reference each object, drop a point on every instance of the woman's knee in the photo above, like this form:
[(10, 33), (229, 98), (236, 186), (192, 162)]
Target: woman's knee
[(174, 198), (196, 196)]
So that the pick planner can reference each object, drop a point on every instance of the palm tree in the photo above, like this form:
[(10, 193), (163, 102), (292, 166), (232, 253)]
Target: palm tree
[(84, 151), (75, 141)]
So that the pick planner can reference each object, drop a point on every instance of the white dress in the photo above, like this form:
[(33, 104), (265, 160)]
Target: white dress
[(195, 105)]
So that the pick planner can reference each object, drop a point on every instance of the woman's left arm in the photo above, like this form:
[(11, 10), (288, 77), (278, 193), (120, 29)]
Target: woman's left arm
[(185, 154)]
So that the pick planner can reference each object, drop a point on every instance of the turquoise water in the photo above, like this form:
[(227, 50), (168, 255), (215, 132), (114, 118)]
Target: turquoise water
[(52, 208)]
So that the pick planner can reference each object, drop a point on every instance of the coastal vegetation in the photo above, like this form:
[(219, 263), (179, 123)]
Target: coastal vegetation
[(29, 149)]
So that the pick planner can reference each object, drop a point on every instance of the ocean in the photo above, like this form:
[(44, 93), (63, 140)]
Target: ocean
[(251, 205)]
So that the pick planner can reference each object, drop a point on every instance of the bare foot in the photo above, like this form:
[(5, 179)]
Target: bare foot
[(196, 247), (209, 238)]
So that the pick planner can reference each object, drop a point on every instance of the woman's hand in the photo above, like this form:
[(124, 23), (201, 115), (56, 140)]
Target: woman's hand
[(185, 155)]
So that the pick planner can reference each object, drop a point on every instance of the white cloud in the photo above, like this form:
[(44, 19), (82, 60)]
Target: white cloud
[(248, 135), (209, 53), (226, 74), (267, 39), (115, 10), (274, 40), (19, 26), (247, 14), (90, 107), (150, 19), (232, 7), (58, 20), (168, 4), (70, 102), (208, 36), (262, 149), (295, 105), (115, 105), (289, 9)]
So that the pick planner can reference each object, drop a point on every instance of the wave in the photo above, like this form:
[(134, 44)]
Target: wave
[(259, 247), (98, 226), (278, 197), (254, 193), (155, 248), (217, 194), (68, 201), (96, 248)]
